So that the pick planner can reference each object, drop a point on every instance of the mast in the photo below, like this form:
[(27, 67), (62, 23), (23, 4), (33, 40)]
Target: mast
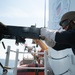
[(45, 13)]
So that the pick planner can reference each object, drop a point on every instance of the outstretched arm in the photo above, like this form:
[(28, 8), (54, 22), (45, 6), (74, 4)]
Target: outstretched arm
[(59, 46), (58, 40)]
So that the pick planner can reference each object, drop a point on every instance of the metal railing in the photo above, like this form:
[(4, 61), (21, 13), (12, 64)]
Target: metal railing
[(16, 61)]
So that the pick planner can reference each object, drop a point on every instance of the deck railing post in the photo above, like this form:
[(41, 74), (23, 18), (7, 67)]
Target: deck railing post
[(45, 63), (16, 62), (7, 57)]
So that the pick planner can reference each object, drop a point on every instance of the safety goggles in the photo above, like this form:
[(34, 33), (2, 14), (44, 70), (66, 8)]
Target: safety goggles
[(65, 23)]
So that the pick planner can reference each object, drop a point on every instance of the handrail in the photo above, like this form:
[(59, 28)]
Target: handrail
[(28, 52), (16, 60), (30, 67)]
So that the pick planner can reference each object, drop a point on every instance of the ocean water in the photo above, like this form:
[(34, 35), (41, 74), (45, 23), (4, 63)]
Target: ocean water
[(11, 64)]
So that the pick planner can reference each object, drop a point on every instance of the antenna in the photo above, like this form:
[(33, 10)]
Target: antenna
[(45, 14)]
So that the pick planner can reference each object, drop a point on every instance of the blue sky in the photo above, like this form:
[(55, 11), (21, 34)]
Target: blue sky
[(21, 13)]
